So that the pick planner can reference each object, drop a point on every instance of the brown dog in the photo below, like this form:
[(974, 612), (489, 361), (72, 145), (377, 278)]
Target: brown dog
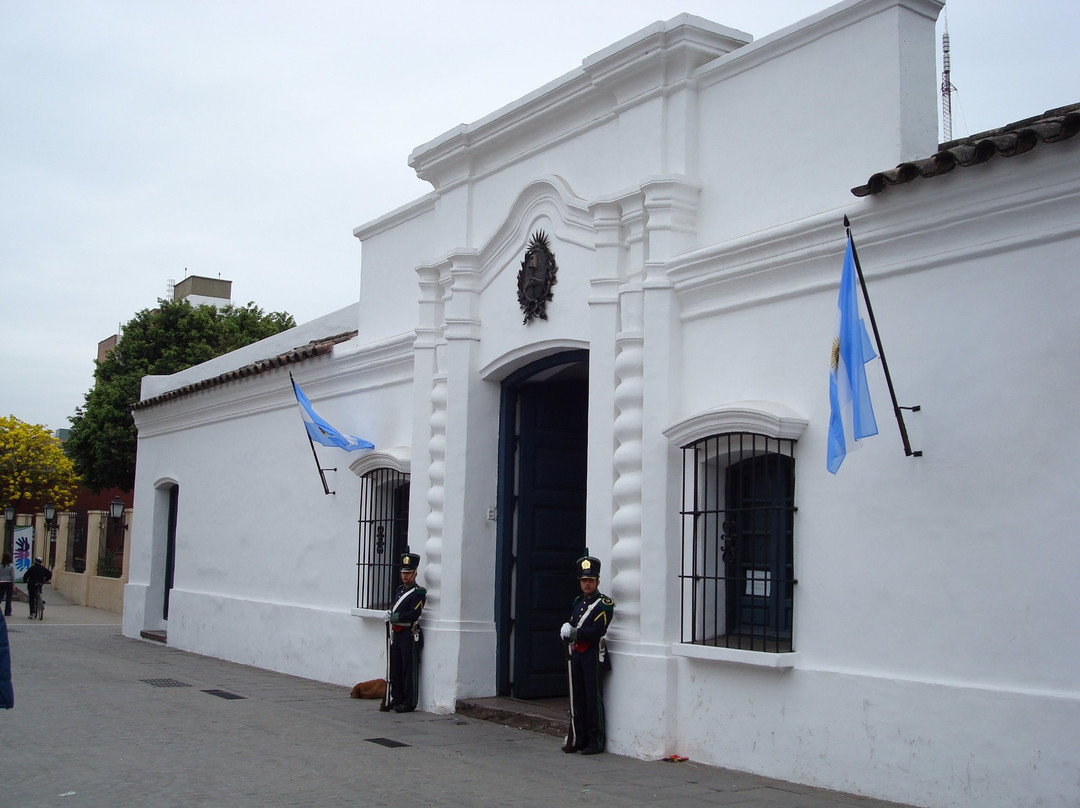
[(372, 689)]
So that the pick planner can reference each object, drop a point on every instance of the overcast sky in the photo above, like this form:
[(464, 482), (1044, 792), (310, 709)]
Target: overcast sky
[(143, 141)]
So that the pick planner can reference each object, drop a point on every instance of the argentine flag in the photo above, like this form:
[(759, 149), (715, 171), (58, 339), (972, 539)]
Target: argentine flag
[(851, 415), (320, 431)]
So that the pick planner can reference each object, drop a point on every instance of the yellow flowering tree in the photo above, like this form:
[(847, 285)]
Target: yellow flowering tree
[(34, 470)]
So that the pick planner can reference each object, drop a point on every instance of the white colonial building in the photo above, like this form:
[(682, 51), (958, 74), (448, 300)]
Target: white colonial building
[(654, 386)]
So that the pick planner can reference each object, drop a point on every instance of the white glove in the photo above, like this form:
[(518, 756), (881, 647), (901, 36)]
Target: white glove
[(386, 617), (564, 632)]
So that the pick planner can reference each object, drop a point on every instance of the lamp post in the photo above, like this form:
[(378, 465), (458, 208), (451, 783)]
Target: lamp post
[(9, 528), (50, 524), (113, 558)]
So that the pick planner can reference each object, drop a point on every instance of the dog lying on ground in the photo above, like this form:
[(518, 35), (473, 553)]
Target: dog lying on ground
[(371, 689)]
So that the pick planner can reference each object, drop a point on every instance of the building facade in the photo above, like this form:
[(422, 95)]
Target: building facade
[(627, 288)]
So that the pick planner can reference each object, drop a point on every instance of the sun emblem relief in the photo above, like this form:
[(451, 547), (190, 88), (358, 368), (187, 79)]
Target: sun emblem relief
[(536, 277)]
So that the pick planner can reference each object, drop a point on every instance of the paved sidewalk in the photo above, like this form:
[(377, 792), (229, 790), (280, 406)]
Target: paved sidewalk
[(104, 721), (59, 610)]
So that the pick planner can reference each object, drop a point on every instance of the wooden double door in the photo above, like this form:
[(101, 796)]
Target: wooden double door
[(541, 526)]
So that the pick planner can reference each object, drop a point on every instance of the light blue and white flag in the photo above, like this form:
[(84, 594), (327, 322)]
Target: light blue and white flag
[(319, 429), (851, 416)]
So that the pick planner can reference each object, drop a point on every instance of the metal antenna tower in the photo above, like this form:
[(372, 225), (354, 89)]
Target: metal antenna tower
[(170, 285), (947, 87)]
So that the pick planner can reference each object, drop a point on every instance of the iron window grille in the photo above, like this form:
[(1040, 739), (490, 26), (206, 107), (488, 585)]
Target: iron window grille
[(737, 581), (384, 529)]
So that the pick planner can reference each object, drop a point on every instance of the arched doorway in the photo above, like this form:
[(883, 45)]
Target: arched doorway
[(543, 452)]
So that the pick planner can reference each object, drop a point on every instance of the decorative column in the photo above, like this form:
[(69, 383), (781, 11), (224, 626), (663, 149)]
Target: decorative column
[(429, 429), (628, 456), (627, 461), (603, 329), (671, 204), (435, 494), (657, 223), (460, 629), (454, 394)]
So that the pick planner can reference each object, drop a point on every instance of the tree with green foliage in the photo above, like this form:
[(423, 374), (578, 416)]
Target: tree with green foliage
[(34, 471), (160, 341)]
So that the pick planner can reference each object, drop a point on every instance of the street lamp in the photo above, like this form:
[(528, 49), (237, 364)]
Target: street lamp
[(9, 528), (111, 555), (50, 524)]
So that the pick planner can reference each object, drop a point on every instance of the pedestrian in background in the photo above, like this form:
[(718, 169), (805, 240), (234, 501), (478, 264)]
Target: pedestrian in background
[(7, 583), (35, 578), (584, 633)]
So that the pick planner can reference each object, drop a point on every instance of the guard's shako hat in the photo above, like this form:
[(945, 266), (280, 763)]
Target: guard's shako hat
[(588, 567), (409, 561)]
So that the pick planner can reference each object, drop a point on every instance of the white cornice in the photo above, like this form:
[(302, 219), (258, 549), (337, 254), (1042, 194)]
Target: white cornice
[(398, 216), (804, 33), (1003, 206), (657, 57)]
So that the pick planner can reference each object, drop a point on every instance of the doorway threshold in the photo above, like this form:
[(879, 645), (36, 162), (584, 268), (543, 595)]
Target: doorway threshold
[(156, 636), (549, 716)]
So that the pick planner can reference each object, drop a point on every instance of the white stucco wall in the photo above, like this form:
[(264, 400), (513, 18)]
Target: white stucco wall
[(265, 569), (933, 592)]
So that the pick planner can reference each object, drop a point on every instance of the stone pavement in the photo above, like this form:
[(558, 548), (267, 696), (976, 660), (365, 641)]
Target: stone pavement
[(104, 721)]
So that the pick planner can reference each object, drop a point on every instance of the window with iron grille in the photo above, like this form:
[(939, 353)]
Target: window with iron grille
[(384, 529), (737, 580)]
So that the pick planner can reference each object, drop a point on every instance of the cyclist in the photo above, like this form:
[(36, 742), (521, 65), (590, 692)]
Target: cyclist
[(37, 576)]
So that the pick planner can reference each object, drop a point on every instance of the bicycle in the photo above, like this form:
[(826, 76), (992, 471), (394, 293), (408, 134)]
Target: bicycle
[(37, 602)]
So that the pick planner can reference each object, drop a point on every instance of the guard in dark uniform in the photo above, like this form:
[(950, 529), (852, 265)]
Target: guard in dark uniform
[(405, 639), (590, 617)]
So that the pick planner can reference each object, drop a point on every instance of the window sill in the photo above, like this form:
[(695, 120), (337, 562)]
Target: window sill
[(379, 614), (738, 656)]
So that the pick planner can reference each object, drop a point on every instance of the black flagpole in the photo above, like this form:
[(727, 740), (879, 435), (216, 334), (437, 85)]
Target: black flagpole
[(318, 465), (325, 487), (897, 409)]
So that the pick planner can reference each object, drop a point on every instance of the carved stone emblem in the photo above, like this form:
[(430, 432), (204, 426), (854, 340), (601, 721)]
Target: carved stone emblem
[(536, 277)]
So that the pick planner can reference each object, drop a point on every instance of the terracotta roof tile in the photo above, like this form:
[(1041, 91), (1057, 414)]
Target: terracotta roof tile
[(309, 351), (1007, 141)]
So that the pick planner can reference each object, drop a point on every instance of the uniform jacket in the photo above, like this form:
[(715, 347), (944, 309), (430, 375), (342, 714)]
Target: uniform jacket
[(407, 610), (587, 630)]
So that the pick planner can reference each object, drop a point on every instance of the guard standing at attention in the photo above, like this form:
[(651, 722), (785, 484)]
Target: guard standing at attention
[(404, 639), (590, 617)]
